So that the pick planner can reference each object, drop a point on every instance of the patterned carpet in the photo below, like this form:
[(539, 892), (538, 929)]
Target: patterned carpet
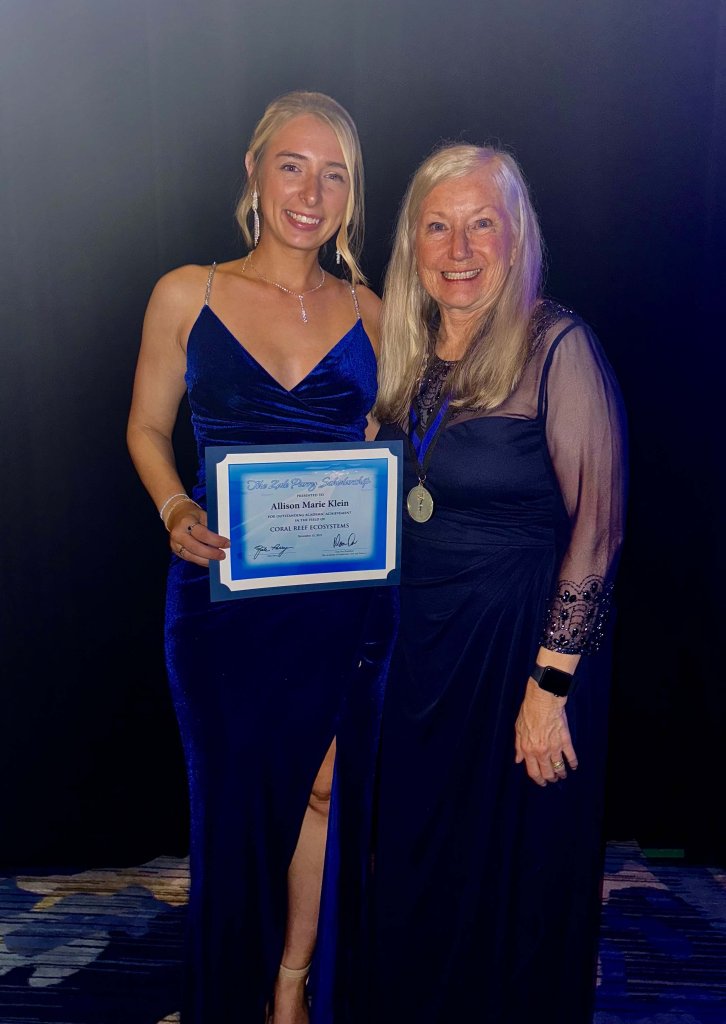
[(104, 946), (662, 942)]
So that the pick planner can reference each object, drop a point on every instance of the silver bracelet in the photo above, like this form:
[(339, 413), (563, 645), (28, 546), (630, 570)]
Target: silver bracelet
[(161, 510), (181, 501)]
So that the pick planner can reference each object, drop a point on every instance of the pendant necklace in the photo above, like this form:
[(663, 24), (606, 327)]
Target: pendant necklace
[(419, 501), (300, 296)]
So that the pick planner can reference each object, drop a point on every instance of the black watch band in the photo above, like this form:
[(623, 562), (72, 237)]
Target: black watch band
[(554, 680)]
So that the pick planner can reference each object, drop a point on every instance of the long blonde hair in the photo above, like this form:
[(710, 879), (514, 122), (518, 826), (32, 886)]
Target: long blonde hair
[(349, 240), (499, 348)]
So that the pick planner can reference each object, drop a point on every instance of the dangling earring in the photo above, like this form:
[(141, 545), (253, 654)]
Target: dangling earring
[(338, 256), (256, 216)]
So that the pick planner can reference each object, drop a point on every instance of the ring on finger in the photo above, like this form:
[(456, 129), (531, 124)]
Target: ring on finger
[(180, 550), (191, 526), (558, 765)]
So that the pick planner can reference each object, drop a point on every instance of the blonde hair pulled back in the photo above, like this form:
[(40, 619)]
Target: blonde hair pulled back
[(349, 239)]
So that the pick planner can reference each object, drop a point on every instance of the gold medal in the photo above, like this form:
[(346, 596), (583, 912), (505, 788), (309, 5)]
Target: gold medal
[(419, 503)]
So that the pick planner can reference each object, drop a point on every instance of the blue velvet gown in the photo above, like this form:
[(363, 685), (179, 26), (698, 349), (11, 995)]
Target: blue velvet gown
[(486, 886), (262, 685)]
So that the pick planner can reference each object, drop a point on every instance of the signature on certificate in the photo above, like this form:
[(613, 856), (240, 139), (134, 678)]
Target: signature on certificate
[(339, 541), (271, 551)]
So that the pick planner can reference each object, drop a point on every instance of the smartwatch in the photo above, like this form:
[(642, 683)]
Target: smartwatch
[(552, 679)]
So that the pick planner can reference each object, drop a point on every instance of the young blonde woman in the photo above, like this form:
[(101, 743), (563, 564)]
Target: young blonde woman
[(271, 350)]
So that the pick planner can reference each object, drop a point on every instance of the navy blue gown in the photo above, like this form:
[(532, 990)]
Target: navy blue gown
[(261, 686), (486, 886)]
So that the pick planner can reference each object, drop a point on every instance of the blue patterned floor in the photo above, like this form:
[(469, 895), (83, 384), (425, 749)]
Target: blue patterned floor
[(662, 943), (104, 946)]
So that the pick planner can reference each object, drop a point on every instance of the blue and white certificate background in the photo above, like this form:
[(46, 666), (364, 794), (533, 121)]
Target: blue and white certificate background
[(305, 517)]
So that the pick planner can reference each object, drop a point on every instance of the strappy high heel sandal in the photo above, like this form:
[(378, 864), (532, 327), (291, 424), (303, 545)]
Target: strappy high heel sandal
[(293, 974)]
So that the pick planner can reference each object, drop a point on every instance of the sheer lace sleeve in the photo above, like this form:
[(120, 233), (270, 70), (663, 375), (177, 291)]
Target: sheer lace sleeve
[(585, 428)]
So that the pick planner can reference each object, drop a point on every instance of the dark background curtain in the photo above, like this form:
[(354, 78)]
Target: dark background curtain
[(124, 127)]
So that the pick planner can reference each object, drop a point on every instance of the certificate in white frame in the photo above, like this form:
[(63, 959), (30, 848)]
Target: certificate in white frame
[(304, 517)]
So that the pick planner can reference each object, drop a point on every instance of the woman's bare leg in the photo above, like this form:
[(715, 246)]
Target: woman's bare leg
[(304, 881)]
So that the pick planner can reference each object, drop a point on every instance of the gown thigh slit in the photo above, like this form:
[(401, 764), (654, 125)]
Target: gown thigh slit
[(261, 685)]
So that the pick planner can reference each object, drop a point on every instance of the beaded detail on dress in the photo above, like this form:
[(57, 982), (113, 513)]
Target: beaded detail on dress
[(545, 316), (432, 385), (576, 617)]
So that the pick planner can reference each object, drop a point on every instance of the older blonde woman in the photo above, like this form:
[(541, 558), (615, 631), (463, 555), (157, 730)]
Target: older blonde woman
[(488, 850), (272, 350)]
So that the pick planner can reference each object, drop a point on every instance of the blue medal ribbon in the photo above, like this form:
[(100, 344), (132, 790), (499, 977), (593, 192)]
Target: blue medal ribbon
[(422, 439)]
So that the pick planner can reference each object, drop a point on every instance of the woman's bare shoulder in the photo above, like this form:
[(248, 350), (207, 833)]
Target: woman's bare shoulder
[(183, 285), (368, 301), (174, 304)]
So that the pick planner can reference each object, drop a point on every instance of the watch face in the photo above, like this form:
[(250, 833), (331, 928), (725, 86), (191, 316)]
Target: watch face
[(555, 681)]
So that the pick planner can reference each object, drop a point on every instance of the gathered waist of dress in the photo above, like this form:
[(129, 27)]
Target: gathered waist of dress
[(461, 563), (475, 530)]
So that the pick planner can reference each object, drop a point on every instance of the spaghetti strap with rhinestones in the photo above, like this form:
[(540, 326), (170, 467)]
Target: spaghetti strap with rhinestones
[(208, 292), (355, 301)]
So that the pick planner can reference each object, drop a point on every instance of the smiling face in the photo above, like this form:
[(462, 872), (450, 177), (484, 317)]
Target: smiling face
[(464, 245), (303, 184)]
